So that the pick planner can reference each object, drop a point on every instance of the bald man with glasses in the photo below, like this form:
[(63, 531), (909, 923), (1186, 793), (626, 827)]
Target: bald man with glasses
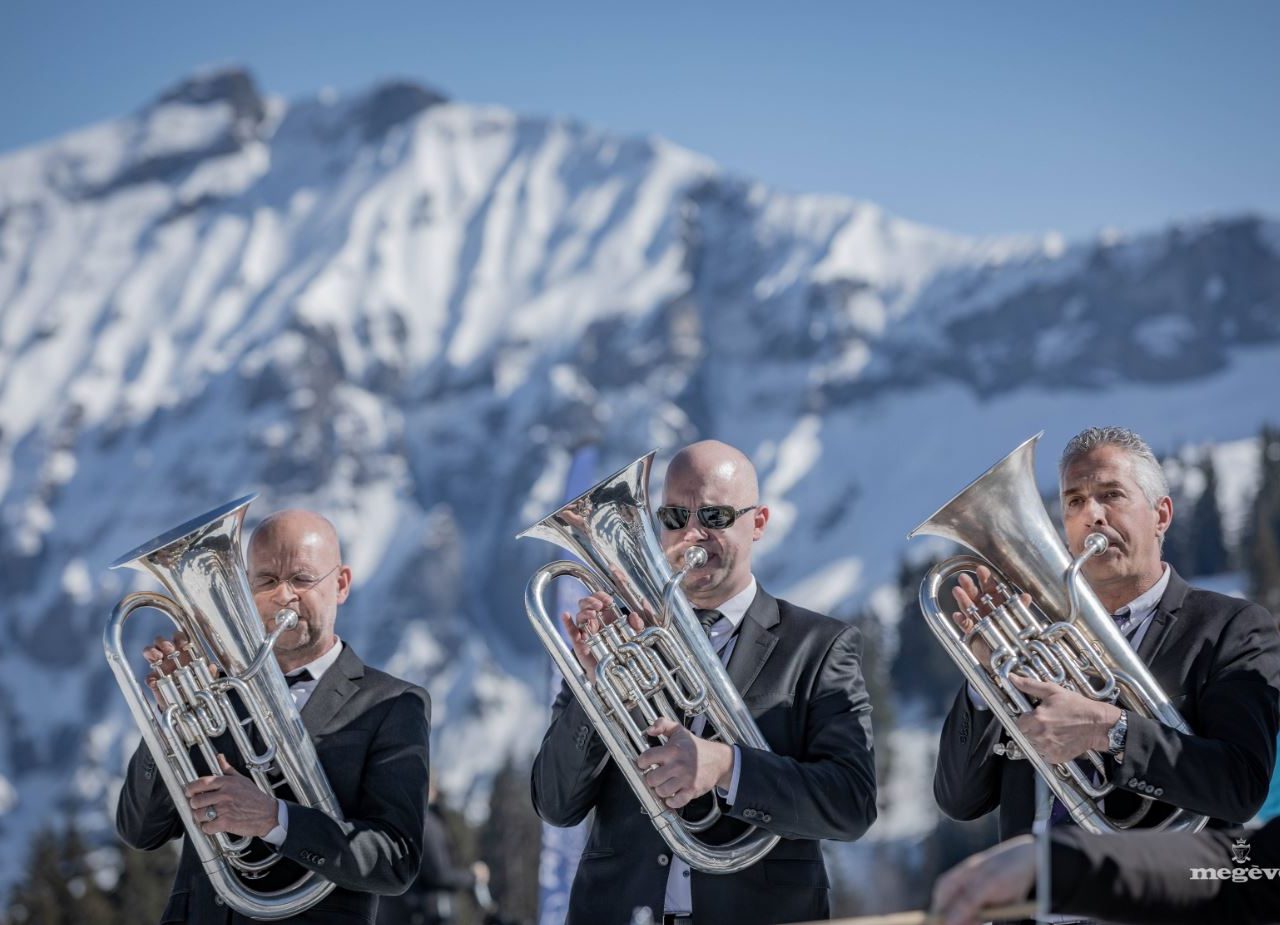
[(800, 676), (371, 735)]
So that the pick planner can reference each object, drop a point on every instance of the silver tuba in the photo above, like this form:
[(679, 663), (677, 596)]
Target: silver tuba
[(202, 569), (666, 669), (1066, 637)]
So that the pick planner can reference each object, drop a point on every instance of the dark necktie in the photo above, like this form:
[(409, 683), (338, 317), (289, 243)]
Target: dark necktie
[(299, 678), (708, 619)]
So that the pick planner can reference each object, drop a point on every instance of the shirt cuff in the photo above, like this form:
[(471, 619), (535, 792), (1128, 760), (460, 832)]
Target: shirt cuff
[(730, 795), (975, 699), (276, 836)]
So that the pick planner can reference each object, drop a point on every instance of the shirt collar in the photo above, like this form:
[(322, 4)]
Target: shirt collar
[(323, 663), (1145, 603), (735, 608)]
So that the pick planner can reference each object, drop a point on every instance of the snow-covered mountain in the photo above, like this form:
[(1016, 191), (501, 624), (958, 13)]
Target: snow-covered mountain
[(406, 311)]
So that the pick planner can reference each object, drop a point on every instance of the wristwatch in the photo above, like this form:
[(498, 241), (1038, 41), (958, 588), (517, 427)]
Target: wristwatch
[(1117, 733)]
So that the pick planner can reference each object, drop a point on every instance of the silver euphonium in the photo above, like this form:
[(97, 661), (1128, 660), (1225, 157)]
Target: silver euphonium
[(667, 669), (1066, 636), (201, 567)]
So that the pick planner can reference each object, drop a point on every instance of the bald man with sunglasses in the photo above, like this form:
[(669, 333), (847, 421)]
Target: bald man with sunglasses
[(800, 675)]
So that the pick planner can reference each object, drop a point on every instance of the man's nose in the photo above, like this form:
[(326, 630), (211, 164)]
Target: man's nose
[(694, 530), (283, 594), (1096, 511)]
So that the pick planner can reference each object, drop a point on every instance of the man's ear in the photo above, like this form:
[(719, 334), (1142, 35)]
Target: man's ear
[(760, 517), (1164, 515), (344, 583)]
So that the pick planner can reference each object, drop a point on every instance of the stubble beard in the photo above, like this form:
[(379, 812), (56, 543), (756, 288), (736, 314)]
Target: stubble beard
[(715, 580)]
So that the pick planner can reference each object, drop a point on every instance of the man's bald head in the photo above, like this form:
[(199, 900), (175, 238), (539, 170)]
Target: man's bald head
[(713, 462), (713, 474), (298, 527), (295, 563)]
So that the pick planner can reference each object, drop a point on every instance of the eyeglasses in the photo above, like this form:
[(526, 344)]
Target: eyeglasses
[(301, 582), (713, 516)]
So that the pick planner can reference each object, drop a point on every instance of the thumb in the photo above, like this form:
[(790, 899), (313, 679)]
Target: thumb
[(225, 766), (662, 726)]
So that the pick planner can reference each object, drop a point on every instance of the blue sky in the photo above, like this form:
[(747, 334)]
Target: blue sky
[(978, 117)]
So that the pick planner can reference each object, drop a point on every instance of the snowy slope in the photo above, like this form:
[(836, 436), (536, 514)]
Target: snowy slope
[(405, 311)]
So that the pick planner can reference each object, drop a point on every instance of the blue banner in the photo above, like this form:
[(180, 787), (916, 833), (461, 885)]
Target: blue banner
[(561, 848)]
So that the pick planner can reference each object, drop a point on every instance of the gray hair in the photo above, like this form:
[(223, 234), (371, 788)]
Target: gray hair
[(1147, 471)]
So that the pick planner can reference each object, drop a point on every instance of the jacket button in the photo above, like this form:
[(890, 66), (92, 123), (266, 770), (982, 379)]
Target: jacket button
[(663, 860), (766, 818), (217, 901), (319, 862), (1159, 791)]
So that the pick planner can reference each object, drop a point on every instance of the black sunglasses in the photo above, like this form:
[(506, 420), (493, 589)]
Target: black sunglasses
[(713, 516)]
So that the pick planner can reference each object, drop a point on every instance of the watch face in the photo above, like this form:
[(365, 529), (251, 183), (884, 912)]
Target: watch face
[(1115, 737)]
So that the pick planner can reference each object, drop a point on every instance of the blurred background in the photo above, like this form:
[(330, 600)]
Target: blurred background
[(401, 263)]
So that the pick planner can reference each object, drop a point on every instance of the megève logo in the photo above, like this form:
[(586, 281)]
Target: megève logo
[(1240, 851), (1240, 854)]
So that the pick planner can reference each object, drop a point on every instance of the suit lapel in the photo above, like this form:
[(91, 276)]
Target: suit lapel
[(756, 640), (338, 685), (1164, 618)]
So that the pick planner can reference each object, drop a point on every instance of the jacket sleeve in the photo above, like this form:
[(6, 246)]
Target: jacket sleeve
[(378, 848), (1158, 877), (966, 779), (568, 769), (1223, 768), (145, 815), (830, 791)]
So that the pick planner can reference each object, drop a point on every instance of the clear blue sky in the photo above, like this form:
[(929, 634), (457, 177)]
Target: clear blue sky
[(976, 117)]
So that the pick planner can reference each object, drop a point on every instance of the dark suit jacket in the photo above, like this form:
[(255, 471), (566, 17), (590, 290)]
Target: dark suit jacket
[(801, 677), (1146, 876), (1217, 658), (371, 735)]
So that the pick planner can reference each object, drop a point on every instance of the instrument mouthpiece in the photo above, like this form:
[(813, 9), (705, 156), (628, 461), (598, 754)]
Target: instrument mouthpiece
[(1096, 544), (695, 557)]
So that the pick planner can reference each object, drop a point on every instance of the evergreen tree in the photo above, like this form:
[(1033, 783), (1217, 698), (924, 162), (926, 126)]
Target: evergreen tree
[(1208, 543), (511, 843), (59, 887), (91, 902), (42, 898), (1177, 548), (1262, 544), (146, 877), (464, 844)]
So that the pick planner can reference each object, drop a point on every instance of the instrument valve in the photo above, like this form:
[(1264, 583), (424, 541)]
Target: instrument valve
[(1008, 750)]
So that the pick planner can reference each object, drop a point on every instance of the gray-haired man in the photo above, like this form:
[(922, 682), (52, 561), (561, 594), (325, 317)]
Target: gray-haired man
[(1217, 657)]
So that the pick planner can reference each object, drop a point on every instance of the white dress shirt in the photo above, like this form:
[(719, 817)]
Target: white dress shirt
[(302, 692), (724, 637)]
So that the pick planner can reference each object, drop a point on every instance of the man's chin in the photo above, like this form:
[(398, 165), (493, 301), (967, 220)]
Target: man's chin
[(703, 584), (1105, 570), (291, 642)]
